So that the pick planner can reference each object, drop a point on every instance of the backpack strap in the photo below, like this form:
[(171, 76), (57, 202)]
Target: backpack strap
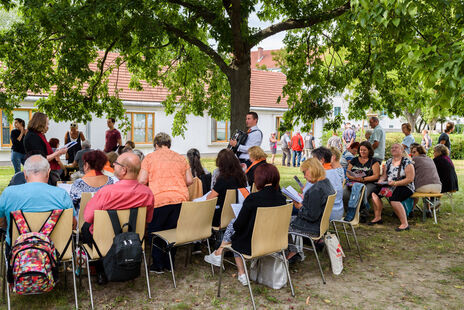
[(21, 222), (133, 219), (113, 214), (50, 223)]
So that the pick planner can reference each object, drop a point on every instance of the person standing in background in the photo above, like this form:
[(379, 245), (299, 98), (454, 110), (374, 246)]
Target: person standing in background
[(377, 139), (309, 144), (349, 136), (76, 136), (112, 137), (408, 139), (255, 138), (335, 141), (426, 140), (297, 147), (444, 137), (17, 144), (273, 146), (285, 144)]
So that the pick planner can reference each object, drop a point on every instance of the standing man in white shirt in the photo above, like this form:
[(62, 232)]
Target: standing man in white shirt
[(255, 138)]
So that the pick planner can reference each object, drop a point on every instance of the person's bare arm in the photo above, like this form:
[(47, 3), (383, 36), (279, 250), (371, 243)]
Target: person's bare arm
[(143, 177), (442, 141), (375, 144), (409, 170), (3, 222), (82, 136), (188, 177), (375, 173), (57, 153)]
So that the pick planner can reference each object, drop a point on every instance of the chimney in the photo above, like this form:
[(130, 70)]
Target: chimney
[(260, 54)]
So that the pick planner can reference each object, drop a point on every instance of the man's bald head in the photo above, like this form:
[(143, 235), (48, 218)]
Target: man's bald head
[(131, 162)]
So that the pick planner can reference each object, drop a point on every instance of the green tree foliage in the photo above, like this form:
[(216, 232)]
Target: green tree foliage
[(401, 57), (184, 45)]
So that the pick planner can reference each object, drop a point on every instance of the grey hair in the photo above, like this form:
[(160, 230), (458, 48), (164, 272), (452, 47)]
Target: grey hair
[(85, 144), (369, 131), (441, 149), (139, 153), (36, 164)]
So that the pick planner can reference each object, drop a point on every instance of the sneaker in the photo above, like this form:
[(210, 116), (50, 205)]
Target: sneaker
[(242, 279), (156, 269), (213, 259)]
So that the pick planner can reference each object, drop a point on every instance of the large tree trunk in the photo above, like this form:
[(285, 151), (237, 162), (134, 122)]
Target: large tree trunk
[(433, 123), (412, 118), (240, 81)]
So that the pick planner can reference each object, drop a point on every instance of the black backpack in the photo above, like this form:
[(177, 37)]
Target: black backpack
[(123, 260)]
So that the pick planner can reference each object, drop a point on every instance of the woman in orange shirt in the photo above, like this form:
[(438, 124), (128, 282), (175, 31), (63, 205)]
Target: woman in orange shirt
[(168, 175)]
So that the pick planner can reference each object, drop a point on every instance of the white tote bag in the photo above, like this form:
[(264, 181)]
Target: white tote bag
[(269, 270), (335, 253)]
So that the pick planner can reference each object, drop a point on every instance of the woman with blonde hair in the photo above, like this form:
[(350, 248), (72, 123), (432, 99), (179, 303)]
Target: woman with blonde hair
[(335, 162), (309, 216), (257, 158)]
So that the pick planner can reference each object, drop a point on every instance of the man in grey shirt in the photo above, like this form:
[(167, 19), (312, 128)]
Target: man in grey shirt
[(78, 161), (285, 143), (309, 144), (255, 137), (377, 139)]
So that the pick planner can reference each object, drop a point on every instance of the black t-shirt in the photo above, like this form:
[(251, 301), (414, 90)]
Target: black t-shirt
[(366, 168), (444, 136), (222, 185), (17, 146)]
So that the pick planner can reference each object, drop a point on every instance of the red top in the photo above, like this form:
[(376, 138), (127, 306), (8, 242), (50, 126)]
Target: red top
[(53, 163), (295, 145), (111, 140), (125, 194)]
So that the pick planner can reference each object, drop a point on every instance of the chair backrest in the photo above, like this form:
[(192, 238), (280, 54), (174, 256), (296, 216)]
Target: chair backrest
[(326, 215), (253, 188), (270, 232), (227, 213), (343, 183), (64, 182), (60, 235), (195, 189), (85, 197), (195, 220), (355, 220), (103, 233)]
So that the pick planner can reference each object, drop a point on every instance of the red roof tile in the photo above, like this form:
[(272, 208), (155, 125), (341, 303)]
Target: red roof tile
[(265, 59)]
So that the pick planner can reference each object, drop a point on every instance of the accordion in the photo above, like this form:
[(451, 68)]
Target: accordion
[(240, 137)]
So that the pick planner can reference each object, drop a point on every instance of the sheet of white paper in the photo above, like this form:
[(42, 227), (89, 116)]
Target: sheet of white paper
[(236, 207), (66, 187), (202, 198), (240, 196), (68, 145)]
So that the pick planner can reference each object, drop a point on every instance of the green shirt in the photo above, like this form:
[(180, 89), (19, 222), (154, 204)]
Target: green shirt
[(378, 135)]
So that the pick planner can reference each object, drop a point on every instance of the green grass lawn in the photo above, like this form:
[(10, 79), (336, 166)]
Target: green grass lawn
[(419, 269)]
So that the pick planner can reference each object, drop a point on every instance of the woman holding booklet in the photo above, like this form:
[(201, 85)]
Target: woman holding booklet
[(310, 211), (240, 229), (364, 169)]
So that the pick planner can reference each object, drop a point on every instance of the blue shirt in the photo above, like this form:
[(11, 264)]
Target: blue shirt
[(337, 184), (407, 141), (32, 197)]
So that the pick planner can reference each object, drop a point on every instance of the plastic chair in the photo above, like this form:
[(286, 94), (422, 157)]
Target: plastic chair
[(352, 223), (194, 224), (103, 235), (227, 213), (270, 235), (61, 237), (324, 226), (195, 189)]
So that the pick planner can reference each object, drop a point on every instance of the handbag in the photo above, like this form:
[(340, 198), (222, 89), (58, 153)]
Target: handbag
[(336, 253), (269, 270)]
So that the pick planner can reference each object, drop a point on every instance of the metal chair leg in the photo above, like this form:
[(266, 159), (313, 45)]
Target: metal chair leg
[(356, 241), (435, 215), (172, 268), (346, 235), (424, 209), (248, 279), (317, 258), (6, 283), (146, 274), (288, 272), (336, 230), (74, 278), (90, 282), (209, 252), (220, 273)]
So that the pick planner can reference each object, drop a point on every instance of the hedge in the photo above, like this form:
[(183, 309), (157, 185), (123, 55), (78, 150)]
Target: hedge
[(457, 142)]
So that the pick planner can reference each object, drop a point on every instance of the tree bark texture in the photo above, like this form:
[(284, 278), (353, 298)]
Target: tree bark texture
[(240, 81)]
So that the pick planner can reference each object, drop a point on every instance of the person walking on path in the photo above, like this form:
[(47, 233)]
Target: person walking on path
[(377, 139), (112, 137), (297, 147)]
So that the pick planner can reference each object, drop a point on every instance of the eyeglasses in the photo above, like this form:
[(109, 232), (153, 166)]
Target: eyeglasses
[(116, 163)]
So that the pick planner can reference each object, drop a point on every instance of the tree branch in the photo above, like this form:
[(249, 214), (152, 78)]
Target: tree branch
[(102, 67), (291, 23), (202, 46), (199, 10)]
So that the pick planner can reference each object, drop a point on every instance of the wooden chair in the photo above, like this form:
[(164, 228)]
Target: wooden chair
[(61, 237), (322, 230), (227, 213), (195, 189), (64, 182), (253, 188), (430, 200), (103, 235), (194, 224), (352, 223), (270, 235)]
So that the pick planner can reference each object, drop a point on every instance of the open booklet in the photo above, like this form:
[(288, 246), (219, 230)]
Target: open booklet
[(291, 193), (356, 174)]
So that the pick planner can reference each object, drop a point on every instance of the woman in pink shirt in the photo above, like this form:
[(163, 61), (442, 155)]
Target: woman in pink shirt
[(168, 175)]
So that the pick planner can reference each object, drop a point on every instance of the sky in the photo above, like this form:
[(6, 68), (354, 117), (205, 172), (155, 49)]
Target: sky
[(271, 43)]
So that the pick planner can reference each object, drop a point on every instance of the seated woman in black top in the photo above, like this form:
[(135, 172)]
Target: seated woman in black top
[(308, 219), (445, 168), (257, 158), (239, 231), (231, 176), (193, 156)]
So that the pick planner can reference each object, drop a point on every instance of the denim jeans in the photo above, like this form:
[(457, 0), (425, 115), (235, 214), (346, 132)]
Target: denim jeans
[(17, 159), (295, 154)]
